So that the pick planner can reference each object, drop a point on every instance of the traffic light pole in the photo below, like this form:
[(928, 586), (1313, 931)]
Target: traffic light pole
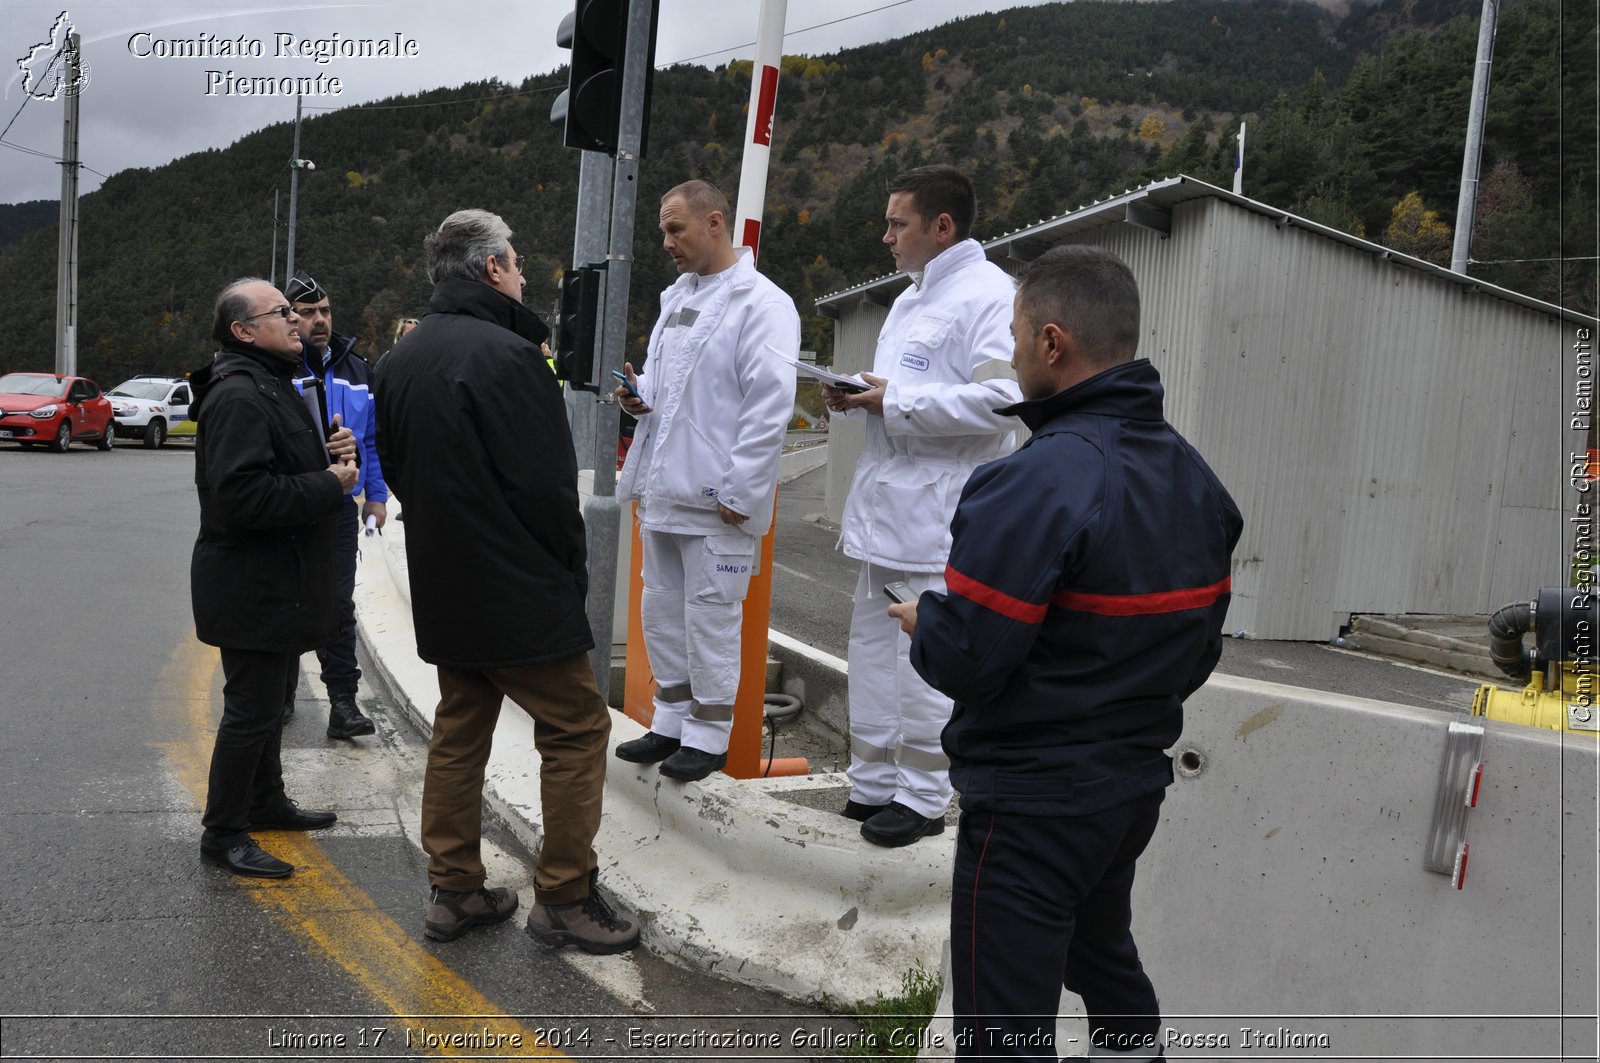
[(590, 243), (602, 515)]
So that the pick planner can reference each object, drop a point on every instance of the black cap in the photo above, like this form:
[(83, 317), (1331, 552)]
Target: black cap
[(303, 288)]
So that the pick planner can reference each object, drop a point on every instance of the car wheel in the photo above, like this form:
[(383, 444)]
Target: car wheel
[(109, 439), (63, 437), (155, 433)]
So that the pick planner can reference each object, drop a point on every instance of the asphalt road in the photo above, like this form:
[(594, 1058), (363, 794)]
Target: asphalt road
[(118, 942)]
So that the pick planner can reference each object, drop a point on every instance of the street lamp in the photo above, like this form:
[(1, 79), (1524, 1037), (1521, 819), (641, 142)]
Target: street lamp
[(296, 164)]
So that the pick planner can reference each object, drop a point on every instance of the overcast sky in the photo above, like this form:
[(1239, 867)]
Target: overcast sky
[(142, 108)]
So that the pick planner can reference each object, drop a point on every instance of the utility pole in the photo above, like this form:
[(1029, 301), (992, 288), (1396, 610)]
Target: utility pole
[(1472, 155), (67, 246)]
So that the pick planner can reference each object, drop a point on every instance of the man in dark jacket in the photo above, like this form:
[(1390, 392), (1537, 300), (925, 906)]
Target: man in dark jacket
[(331, 363), (1088, 584), (473, 435), (261, 577)]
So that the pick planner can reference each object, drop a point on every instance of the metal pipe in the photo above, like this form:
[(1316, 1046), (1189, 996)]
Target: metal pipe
[(1507, 625)]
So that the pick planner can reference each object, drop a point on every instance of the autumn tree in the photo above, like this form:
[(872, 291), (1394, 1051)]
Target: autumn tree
[(1416, 230)]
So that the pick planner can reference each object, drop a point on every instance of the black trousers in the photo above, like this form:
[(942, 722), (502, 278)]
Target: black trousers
[(246, 765), (1042, 903), (340, 673)]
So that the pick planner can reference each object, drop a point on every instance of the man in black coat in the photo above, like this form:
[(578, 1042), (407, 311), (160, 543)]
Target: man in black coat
[(473, 437), (261, 576)]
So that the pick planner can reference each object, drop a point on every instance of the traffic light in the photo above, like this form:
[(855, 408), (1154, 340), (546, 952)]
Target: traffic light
[(591, 106), (575, 326)]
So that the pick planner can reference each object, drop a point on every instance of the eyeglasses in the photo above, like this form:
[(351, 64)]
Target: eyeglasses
[(516, 261), (281, 311)]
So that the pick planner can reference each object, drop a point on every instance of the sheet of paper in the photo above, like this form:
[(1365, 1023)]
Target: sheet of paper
[(827, 376)]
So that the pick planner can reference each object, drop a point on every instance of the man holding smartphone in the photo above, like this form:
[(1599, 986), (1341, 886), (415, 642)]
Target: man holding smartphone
[(713, 403), (939, 374)]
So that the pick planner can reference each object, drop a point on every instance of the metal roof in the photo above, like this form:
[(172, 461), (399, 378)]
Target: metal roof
[(1150, 207)]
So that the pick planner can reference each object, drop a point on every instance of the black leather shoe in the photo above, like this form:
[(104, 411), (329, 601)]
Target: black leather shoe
[(291, 817), (897, 825), (248, 859), (345, 720), (859, 811), (689, 764), (647, 750)]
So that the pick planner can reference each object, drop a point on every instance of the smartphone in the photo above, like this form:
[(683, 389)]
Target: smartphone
[(623, 377), (899, 591)]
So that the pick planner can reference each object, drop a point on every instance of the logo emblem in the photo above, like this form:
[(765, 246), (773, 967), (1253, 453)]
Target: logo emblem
[(46, 67), (914, 361)]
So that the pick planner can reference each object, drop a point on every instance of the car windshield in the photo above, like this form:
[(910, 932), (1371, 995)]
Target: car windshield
[(30, 384), (141, 389)]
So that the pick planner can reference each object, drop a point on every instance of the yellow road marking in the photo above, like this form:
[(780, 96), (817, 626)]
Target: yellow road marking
[(328, 912)]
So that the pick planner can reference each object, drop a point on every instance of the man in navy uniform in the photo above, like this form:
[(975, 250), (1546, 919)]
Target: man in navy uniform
[(1088, 585)]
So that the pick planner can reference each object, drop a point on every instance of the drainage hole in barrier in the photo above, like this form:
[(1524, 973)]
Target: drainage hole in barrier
[(1191, 762)]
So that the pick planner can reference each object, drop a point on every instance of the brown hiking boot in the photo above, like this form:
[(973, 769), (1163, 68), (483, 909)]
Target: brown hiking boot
[(451, 914), (592, 924)]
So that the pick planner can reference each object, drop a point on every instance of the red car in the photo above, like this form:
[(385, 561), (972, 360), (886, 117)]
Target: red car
[(53, 410)]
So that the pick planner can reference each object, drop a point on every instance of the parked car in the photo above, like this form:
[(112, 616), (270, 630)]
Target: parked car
[(52, 410), (152, 408)]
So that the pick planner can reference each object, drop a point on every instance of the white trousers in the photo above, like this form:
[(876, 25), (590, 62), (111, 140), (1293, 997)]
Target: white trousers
[(895, 718), (692, 610)]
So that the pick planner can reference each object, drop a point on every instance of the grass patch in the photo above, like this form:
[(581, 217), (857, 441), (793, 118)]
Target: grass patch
[(892, 1026)]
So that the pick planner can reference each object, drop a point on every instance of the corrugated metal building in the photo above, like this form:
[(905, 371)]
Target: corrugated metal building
[(1395, 434)]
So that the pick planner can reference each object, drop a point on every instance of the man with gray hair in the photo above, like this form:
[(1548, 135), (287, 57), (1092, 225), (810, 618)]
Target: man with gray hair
[(473, 437)]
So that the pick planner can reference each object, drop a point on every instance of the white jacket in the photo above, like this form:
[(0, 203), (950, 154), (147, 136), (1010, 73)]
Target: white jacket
[(945, 349), (719, 407)]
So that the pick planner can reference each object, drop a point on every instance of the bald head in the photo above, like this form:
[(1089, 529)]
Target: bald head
[(252, 311)]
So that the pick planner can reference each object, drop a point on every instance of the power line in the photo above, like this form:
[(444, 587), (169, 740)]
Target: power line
[(793, 33), (26, 96), (1558, 258)]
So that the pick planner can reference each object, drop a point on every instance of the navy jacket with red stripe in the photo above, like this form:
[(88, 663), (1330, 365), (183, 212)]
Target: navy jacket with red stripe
[(1088, 585)]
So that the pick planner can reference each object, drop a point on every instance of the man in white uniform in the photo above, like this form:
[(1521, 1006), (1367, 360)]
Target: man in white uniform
[(942, 368), (713, 402)]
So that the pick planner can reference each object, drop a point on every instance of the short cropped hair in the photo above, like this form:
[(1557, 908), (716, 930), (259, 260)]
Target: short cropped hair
[(464, 243), (231, 306), (702, 197), (1091, 294), (937, 190)]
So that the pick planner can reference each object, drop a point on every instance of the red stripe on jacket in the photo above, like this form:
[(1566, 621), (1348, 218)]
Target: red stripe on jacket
[(998, 601), (1143, 604), (1099, 604)]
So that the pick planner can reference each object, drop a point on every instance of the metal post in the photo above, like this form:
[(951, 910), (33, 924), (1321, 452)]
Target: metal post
[(602, 516), (590, 243), (272, 276), (67, 236), (1472, 155), (758, 127), (294, 191)]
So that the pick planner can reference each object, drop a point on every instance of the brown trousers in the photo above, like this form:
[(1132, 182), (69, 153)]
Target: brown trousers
[(570, 727)]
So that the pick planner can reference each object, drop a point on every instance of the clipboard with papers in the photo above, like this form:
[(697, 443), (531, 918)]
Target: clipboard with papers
[(854, 385)]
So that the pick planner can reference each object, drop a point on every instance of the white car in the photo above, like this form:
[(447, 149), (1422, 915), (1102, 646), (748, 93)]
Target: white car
[(151, 408)]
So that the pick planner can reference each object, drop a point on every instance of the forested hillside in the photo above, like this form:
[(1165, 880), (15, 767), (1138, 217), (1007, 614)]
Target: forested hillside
[(1356, 119), (19, 219)]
